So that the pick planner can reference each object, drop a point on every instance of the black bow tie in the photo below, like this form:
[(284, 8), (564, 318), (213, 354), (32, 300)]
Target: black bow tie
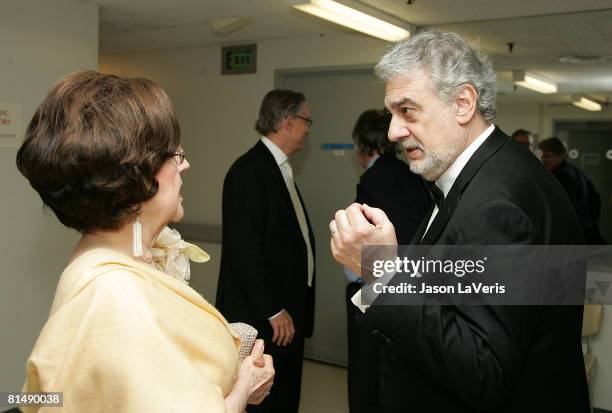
[(436, 194)]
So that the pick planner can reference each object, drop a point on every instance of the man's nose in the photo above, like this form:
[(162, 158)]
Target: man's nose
[(397, 130)]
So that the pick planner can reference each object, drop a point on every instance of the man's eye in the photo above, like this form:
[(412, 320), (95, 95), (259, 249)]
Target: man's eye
[(405, 110)]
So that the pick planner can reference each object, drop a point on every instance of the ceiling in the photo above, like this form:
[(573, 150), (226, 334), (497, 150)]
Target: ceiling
[(569, 42)]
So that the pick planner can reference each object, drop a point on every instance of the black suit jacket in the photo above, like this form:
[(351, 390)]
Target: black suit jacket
[(402, 195), (263, 258), (437, 358)]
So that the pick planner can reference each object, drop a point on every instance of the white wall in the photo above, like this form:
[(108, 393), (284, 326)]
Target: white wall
[(217, 113), (41, 41), (511, 117)]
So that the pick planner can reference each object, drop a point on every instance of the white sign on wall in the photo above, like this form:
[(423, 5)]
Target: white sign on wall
[(10, 125)]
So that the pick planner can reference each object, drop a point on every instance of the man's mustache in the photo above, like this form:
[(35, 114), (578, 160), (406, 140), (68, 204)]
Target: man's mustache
[(410, 144)]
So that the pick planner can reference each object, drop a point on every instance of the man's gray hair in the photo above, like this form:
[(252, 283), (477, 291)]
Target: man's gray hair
[(450, 62)]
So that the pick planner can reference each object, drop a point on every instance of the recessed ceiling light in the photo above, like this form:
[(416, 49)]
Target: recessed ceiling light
[(354, 19), (534, 82), (586, 103), (576, 59)]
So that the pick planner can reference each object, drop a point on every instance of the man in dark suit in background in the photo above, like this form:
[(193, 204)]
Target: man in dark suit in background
[(523, 137), (489, 190), (578, 187), (388, 184), (267, 259)]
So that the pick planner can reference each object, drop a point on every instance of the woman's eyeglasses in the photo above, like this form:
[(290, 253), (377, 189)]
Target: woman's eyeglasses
[(179, 156)]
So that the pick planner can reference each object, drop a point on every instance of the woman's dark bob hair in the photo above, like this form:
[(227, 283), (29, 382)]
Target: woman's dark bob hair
[(94, 146)]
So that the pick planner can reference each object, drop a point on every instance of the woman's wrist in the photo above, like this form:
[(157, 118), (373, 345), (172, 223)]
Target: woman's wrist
[(236, 400)]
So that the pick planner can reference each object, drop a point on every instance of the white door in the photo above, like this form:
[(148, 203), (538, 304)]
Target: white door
[(327, 180)]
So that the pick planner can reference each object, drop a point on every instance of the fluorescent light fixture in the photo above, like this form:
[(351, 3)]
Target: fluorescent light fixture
[(534, 82), (354, 19), (586, 103)]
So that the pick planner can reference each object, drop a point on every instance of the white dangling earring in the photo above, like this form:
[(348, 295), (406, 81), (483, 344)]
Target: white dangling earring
[(137, 238)]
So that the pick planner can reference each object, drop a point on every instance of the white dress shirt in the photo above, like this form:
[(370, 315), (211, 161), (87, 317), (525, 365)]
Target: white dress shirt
[(447, 179), (282, 161)]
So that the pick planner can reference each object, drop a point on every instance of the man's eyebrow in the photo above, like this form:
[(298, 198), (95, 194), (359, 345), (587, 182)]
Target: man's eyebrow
[(401, 102)]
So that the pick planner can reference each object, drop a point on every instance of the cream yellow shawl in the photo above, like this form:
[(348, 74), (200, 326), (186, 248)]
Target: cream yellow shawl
[(124, 337)]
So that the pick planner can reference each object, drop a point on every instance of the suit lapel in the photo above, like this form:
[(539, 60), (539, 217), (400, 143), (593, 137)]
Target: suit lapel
[(488, 148), (416, 240)]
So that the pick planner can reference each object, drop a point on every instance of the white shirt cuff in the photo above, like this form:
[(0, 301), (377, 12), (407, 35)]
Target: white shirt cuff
[(357, 299), (276, 315)]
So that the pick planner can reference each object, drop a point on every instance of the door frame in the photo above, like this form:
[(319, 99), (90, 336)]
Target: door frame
[(281, 74)]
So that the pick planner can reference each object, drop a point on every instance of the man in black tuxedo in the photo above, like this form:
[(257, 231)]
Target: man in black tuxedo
[(267, 259), (387, 184), (489, 190)]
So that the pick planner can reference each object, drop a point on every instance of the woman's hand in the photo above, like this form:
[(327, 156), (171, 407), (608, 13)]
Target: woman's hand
[(255, 379)]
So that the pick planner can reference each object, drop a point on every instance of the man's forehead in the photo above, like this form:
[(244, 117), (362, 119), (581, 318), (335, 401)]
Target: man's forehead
[(407, 88), (398, 92)]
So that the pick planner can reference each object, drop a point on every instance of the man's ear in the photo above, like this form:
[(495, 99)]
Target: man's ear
[(283, 124), (466, 103)]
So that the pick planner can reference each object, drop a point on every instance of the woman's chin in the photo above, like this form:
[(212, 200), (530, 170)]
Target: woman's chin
[(179, 214)]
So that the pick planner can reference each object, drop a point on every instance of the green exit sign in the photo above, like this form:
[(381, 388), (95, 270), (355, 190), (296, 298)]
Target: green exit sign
[(236, 60)]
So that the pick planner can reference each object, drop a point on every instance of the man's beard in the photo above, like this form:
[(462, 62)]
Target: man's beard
[(433, 164)]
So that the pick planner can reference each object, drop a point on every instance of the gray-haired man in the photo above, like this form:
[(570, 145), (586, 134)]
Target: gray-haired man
[(436, 358)]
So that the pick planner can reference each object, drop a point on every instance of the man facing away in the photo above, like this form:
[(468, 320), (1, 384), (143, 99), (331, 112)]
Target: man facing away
[(267, 259), (450, 358), (387, 184)]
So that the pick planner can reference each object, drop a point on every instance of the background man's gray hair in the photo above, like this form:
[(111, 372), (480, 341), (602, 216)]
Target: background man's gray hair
[(450, 62)]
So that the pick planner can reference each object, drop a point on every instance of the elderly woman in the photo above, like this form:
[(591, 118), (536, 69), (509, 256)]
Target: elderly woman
[(125, 332)]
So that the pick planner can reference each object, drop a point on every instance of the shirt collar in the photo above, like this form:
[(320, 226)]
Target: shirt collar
[(371, 161), (279, 155), (446, 181)]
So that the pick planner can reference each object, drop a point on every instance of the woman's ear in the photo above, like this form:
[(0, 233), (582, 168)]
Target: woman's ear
[(466, 103)]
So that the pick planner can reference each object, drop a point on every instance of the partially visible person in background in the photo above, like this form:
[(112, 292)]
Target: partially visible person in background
[(388, 184), (126, 333), (267, 274), (523, 136), (577, 185)]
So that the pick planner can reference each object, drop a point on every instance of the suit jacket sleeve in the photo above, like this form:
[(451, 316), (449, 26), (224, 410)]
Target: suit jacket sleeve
[(475, 351), (244, 221)]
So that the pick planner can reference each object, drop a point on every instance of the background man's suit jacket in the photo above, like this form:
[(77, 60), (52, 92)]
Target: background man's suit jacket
[(488, 358), (263, 259), (391, 186)]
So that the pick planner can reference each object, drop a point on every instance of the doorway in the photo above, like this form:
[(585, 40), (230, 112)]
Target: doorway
[(589, 146), (326, 173)]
